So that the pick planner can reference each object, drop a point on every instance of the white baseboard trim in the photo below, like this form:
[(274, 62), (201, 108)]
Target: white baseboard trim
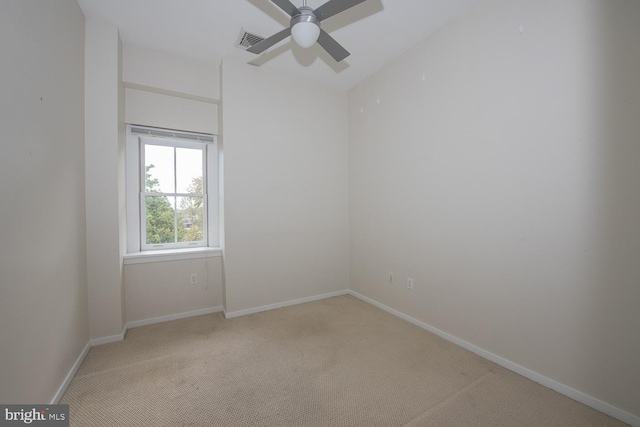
[(574, 394), (232, 314), (107, 340), (145, 322), (71, 374)]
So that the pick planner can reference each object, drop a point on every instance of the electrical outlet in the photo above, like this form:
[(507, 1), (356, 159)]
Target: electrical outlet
[(409, 283), (194, 278), (391, 278)]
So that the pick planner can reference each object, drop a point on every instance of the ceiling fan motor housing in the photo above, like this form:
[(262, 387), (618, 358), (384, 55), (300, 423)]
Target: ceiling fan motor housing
[(306, 15)]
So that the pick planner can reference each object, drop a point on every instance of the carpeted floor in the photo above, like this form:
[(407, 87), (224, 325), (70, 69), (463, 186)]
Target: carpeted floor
[(335, 362)]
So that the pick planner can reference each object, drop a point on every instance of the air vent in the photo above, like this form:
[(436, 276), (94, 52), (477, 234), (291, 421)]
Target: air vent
[(247, 40)]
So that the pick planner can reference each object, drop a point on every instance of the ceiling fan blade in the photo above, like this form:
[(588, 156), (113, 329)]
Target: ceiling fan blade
[(268, 42), (333, 7), (287, 6), (332, 47)]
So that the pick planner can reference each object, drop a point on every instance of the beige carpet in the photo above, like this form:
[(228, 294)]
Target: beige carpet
[(336, 362)]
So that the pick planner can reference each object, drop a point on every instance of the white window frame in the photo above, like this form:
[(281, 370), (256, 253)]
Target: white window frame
[(135, 186), (173, 143)]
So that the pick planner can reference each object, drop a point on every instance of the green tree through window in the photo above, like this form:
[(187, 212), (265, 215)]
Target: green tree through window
[(160, 218), (190, 214)]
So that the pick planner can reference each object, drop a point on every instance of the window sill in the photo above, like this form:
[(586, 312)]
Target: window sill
[(171, 255)]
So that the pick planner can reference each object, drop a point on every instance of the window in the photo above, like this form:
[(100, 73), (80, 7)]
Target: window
[(171, 189)]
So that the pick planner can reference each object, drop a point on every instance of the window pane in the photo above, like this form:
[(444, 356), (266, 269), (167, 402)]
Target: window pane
[(189, 170), (190, 219), (160, 219), (158, 163)]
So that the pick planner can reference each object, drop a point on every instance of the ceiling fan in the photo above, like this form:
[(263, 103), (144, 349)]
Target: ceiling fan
[(305, 27)]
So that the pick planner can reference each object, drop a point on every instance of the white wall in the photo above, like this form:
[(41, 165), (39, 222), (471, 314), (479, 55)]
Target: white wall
[(170, 92), (122, 180), (104, 148), (164, 288), (500, 171), (285, 178), (43, 303), (159, 70), (170, 112)]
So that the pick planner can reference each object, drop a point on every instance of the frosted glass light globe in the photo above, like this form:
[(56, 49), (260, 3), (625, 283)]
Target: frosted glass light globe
[(305, 34)]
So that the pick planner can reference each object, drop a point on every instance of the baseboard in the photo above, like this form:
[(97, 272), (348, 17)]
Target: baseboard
[(145, 322), (71, 374), (232, 314), (107, 340), (574, 394)]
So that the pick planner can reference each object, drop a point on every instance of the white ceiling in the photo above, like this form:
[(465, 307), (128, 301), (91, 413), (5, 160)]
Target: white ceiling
[(375, 31)]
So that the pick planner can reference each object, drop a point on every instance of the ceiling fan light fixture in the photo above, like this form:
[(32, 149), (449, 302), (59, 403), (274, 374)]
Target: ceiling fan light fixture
[(305, 28), (305, 34)]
